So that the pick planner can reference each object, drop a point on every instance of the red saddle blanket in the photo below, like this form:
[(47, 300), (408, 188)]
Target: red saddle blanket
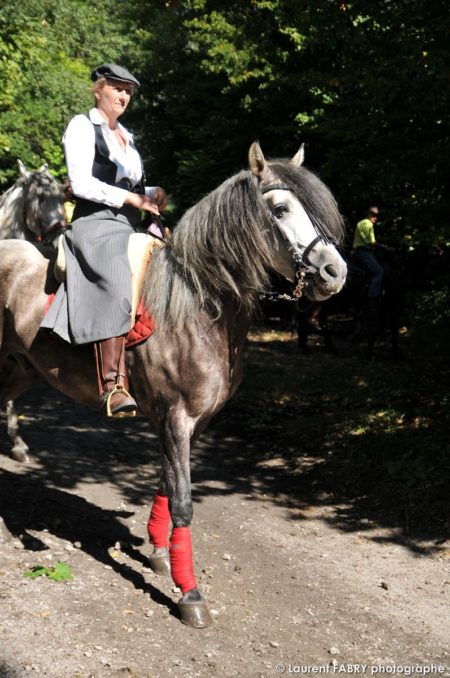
[(143, 328)]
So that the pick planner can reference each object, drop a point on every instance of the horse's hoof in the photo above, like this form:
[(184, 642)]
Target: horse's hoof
[(159, 561), (194, 612)]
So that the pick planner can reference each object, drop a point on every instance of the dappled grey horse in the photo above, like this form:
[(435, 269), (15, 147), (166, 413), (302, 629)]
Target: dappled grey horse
[(201, 290), (32, 209)]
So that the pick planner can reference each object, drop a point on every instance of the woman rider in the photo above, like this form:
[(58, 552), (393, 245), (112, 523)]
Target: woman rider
[(106, 176)]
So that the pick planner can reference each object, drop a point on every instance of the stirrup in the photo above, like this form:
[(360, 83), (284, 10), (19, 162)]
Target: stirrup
[(128, 411)]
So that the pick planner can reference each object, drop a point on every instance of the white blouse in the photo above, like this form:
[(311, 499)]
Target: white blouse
[(79, 148)]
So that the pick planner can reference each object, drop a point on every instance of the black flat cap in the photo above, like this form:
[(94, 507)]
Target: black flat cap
[(114, 72)]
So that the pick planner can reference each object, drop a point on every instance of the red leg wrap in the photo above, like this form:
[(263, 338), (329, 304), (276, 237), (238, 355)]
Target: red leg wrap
[(181, 564), (159, 522)]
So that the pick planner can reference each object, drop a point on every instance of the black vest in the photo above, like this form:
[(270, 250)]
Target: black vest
[(105, 170)]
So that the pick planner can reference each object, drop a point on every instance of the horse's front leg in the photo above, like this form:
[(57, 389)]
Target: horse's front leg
[(158, 528), (175, 444), (20, 449)]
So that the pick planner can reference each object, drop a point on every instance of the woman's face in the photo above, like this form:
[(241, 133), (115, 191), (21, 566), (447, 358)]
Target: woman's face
[(113, 98)]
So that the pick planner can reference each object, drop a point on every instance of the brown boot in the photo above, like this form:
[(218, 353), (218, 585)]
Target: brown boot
[(113, 378)]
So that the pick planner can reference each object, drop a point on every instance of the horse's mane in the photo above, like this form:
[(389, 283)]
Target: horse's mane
[(11, 212), (223, 246)]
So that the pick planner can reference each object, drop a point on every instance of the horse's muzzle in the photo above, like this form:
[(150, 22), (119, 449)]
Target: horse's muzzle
[(329, 279)]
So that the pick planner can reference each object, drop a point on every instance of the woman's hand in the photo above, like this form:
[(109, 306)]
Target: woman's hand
[(142, 202), (158, 196)]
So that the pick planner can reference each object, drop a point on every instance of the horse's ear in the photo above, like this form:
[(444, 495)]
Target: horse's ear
[(44, 168), (23, 170), (299, 157), (257, 162)]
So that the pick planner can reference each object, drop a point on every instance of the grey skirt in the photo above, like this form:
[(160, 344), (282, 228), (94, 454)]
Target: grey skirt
[(95, 301)]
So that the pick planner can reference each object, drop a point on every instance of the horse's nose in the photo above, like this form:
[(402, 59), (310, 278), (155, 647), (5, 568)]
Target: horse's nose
[(329, 272)]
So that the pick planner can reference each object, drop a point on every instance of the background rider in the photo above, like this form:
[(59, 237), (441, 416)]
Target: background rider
[(364, 245)]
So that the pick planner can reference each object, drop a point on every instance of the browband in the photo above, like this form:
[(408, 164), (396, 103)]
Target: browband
[(274, 187)]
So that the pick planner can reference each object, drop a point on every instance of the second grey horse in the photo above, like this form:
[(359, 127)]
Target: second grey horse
[(32, 209)]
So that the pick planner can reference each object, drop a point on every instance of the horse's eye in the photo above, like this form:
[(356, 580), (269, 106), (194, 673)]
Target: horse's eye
[(279, 211)]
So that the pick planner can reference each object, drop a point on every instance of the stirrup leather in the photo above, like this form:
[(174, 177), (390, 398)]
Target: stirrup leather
[(106, 397)]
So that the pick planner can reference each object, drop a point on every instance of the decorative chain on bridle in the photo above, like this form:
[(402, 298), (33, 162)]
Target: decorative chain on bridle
[(301, 259)]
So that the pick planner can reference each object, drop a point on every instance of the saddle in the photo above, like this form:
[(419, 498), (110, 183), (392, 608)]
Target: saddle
[(140, 251)]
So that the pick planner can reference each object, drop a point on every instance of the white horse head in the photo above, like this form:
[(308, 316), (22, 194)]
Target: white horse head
[(307, 248)]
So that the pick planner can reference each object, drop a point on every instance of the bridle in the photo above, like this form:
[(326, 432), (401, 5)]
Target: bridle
[(301, 259), (52, 232)]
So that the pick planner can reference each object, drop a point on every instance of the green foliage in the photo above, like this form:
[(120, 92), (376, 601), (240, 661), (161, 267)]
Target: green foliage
[(47, 50), (384, 69), (61, 572), (217, 82), (364, 84)]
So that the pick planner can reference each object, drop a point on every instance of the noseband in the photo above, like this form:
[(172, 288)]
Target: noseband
[(52, 232), (301, 259)]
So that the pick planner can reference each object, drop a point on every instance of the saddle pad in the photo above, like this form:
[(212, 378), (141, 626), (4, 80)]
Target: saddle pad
[(142, 329), (59, 270), (140, 250)]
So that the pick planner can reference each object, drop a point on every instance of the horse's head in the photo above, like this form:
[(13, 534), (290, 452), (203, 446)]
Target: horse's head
[(43, 203), (308, 224)]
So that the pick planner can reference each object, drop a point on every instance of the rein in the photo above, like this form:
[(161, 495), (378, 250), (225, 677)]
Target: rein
[(301, 259)]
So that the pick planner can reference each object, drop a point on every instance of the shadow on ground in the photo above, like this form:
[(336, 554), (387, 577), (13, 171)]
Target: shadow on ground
[(357, 439)]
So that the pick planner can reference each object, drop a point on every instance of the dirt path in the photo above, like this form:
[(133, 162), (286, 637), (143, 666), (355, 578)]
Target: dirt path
[(286, 588)]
